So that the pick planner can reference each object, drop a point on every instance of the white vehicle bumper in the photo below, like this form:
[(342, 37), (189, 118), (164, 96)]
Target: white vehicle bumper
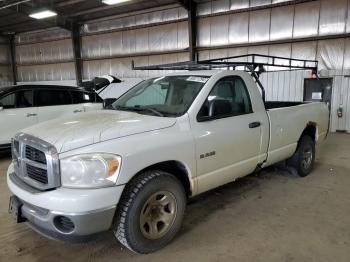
[(73, 215)]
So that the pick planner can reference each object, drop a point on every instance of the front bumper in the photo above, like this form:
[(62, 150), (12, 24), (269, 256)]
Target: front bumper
[(71, 215), (68, 227)]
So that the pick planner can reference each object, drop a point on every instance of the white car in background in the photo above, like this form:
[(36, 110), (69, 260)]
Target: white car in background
[(25, 105)]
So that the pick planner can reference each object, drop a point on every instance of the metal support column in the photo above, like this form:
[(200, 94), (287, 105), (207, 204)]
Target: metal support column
[(192, 28), (13, 59), (76, 38)]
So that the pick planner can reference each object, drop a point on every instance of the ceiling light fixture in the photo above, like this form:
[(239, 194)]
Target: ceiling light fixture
[(114, 2), (43, 14)]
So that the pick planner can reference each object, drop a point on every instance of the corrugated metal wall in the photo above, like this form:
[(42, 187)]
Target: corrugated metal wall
[(45, 56), (290, 31), (5, 67), (108, 46), (306, 30)]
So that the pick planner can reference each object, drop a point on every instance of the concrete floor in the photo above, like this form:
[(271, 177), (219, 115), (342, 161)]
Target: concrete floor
[(270, 216)]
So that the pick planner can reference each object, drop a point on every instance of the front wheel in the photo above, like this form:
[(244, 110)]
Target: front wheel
[(304, 157), (150, 212)]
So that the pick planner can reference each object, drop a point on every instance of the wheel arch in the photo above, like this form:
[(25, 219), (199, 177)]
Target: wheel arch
[(310, 130), (176, 168)]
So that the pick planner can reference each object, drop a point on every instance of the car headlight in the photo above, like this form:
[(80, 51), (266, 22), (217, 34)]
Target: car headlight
[(90, 170)]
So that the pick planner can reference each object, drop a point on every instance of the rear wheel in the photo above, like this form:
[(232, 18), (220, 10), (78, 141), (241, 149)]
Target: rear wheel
[(304, 157), (150, 212)]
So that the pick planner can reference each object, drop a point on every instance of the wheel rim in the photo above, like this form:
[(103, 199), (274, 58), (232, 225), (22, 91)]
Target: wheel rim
[(158, 215), (307, 157)]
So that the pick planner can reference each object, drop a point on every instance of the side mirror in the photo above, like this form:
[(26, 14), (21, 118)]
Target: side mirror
[(214, 109), (107, 103), (219, 107)]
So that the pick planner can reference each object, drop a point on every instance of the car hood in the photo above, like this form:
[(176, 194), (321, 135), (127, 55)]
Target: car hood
[(71, 132)]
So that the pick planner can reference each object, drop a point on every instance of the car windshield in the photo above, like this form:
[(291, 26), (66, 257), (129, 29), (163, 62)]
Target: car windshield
[(165, 96)]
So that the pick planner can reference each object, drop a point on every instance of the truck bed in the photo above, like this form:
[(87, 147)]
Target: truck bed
[(287, 122)]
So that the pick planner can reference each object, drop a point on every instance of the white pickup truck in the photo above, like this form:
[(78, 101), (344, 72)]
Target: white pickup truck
[(131, 169)]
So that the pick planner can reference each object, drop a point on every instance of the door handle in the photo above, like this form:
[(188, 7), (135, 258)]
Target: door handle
[(254, 124), (77, 111), (31, 114)]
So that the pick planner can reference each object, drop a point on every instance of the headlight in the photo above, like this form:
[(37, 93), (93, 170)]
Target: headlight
[(90, 170)]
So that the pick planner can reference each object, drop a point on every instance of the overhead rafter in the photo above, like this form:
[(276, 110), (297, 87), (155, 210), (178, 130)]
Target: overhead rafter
[(57, 21), (69, 2), (185, 4)]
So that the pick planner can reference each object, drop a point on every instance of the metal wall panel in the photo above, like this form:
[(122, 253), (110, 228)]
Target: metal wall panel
[(333, 16), (283, 50), (306, 19), (330, 54), (239, 4), (182, 36), (203, 35), (165, 15), (54, 51), (204, 8), (347, 26), (304, 50), (44, 35), (343, 83), (121, 67), (254, 3), (219, 30), (54, 72), (220, 6), (347, 54), (238, 28), (5, 54), (238, 51), (259, 26), (302, 20), (279, 1), (282, 23), (166, 37), (347, 107), (262, 50), (5, 76), (284, 85)]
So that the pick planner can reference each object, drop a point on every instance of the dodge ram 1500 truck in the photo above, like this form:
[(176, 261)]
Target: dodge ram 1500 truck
[(131, 169)]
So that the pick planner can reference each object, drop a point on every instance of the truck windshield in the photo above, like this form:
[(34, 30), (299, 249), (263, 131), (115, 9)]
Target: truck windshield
[(164, 96)]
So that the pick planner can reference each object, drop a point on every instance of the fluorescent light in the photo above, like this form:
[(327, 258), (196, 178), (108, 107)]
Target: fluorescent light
[(114, 2), (43, 14)]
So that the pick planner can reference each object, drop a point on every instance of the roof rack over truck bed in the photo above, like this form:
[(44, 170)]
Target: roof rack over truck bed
[(253, 63)]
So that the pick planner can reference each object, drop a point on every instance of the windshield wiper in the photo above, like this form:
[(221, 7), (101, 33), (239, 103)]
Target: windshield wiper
[(138, 109)]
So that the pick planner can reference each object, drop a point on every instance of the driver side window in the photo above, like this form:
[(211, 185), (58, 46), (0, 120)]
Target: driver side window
[(229, 97)]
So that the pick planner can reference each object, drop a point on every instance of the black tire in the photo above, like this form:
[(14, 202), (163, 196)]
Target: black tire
[(304, 157), (136, 198)]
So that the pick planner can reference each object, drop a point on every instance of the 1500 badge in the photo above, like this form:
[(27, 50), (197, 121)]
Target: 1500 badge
[(212, 153)]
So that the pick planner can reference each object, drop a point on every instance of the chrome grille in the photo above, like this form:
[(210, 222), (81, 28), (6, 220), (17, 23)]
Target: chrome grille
[(37, 174), (35, 162), (35, 155)]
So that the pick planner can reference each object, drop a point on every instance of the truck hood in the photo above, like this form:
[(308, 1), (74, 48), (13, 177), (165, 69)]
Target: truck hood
[(71, 132)]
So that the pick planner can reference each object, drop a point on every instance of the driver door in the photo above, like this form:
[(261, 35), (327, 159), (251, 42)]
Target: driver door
[(227, 144)]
